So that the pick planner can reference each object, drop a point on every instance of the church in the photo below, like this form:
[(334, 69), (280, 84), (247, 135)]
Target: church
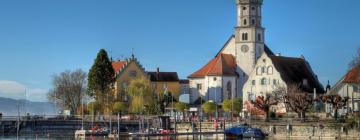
[(246, 67)]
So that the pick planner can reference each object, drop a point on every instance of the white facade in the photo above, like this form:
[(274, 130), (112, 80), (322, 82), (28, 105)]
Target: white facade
[(216, 88), (246, 46), (351, 90), (264, 79)]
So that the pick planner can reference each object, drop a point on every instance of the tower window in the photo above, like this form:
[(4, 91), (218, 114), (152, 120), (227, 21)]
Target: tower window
[(244, 8), (253, 21), (252, 8), (245, 22), (244, 36), (259, 37)]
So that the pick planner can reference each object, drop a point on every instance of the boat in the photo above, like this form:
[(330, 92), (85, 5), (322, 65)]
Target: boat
[(244, 131), (84, 133)]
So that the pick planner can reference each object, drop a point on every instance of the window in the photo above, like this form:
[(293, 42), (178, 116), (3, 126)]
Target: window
[(305, 82), (251, 96), (355, 88), (253, 82), (275, 82), (270, 70), (244, 8), (258, 71), (228, 87), (253, 22), (244, 36), (215, 79), (245, 21), (263, 81), (263, 70), (198, 86), (132, 73), (252, 8), (259, 37)]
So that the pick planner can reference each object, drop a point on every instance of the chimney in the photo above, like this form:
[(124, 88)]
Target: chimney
[(278, 54), (157, 73), (302, 57)]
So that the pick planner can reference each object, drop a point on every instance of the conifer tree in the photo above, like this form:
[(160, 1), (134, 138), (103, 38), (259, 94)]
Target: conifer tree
[(100, 79)]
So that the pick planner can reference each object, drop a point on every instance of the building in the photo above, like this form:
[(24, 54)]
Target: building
[(348, 86), (274, 72), (210, 80), (226, 75), (125, 72), (165, 82)]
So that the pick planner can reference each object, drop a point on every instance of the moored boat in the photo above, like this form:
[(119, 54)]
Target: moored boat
[(244, 131)]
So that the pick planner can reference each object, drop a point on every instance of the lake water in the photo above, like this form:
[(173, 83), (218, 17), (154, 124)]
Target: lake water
[(183, 137)]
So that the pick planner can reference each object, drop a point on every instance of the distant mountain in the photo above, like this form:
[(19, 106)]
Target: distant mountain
[(10, 107)]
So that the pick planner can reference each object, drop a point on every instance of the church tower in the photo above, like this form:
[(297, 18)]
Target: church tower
[(249, 37)]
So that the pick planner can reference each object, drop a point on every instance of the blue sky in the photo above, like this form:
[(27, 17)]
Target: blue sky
[(40, 38)]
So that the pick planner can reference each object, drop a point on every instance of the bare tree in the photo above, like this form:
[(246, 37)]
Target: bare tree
[(336, 101), (356, 59), (264, 103), (68, 89), (298, 100)]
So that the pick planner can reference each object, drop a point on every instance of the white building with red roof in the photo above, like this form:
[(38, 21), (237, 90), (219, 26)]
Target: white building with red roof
[(226, 75), (349, 86)]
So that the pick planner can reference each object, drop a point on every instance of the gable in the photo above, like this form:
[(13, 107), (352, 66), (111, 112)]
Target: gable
[(229, 46)]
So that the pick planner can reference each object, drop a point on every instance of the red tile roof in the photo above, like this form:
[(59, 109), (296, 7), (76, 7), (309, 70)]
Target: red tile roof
[(222, 64), (353, 76), (117, 65)]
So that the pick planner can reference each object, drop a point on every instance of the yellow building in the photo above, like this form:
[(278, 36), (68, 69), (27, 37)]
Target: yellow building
[(125, 71), (164, 82)]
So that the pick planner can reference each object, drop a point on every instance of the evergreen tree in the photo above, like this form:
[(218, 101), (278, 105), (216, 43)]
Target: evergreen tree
[(100, 79)]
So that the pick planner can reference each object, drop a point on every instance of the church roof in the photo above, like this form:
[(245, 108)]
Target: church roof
[(221, 65), (353, 76), (163, 76), (295, 70)]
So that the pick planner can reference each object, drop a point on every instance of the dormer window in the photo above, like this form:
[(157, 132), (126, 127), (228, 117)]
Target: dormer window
[(305, 82)]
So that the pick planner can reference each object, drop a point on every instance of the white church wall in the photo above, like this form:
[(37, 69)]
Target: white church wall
[(196, 88), (232, 81), (229, 47), (214, 88), (262, 81)]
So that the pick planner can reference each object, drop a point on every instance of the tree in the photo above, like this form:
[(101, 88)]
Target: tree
[(356, 60), (232, 106), (140, 93), (209, 107), (119, 108), (298, 101), (93, 107), (336, 101), (101, 77), (264, 103), (181, 107), (68, 89)]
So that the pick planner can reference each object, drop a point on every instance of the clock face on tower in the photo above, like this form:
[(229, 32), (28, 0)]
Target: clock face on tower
[(244, 48)]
